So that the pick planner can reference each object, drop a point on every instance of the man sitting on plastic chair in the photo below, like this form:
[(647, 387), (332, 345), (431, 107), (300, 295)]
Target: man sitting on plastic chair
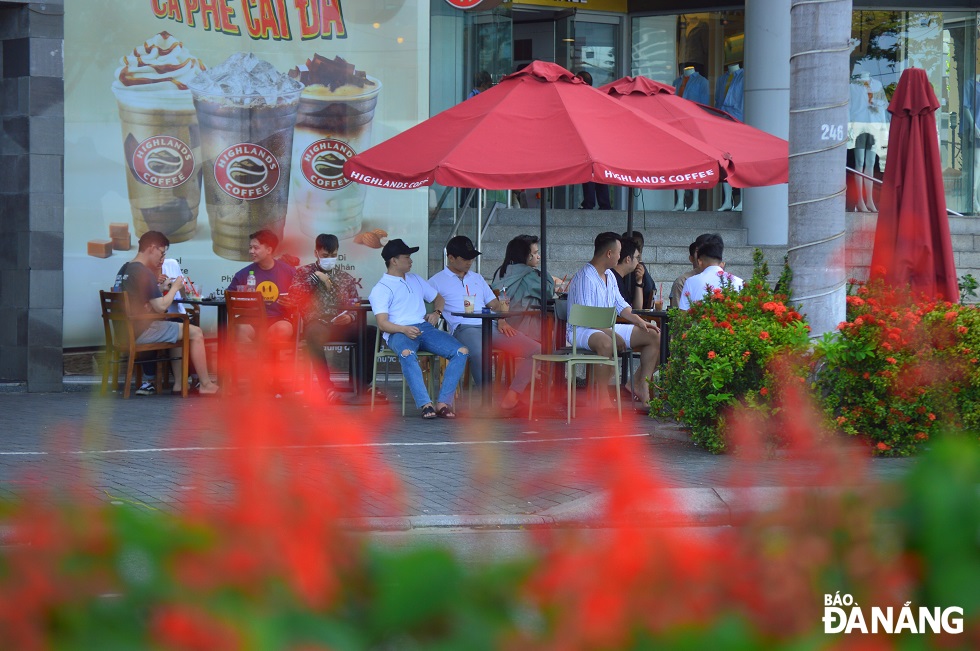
[(595, 285), (398, 302)]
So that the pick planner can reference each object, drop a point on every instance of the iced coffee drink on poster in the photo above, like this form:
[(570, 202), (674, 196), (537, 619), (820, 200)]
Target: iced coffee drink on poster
[(161, 139), (247, 111), (336, 110)]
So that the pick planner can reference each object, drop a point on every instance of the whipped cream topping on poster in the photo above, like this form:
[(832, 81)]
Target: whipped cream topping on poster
[(244, 79), (156, 71)]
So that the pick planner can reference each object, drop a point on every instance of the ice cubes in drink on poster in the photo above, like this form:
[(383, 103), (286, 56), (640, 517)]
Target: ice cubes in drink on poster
[(246, 80)]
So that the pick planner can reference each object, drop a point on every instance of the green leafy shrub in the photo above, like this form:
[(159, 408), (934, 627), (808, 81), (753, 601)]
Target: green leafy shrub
[(898, 369), (720, 354)]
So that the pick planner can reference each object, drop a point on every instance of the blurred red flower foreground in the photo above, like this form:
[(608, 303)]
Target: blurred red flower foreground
[(270, 564)]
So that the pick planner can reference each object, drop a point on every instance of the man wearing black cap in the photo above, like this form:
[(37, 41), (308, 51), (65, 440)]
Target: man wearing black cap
[(398, 302), (457, 281)]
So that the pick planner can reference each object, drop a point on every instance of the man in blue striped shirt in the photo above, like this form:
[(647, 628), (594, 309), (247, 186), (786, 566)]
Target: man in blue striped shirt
[(595, 285)]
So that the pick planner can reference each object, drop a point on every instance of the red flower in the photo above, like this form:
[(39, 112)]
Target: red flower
[(883, 446), (921, 436), (764, 336), (746, 354), (866, 376), (739, 306), (962, 330), (725, 324), (856, 301), (711, 354), (843, 325), (931, 416), (841, 420), (763, 391), (951, 315), (891, 360)]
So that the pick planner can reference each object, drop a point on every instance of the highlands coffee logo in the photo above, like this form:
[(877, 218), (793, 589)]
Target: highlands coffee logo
[(163, 162), (464, 4), (323, 164), (889, 620), (247, 171)]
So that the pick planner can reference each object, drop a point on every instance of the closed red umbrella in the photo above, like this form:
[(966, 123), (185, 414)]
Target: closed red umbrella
[(758, 158), (540, 127), (912, 243)]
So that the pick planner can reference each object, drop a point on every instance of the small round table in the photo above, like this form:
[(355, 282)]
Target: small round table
[(486, 331)]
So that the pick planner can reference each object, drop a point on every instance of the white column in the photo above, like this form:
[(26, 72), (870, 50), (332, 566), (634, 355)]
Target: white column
[(765, 211)]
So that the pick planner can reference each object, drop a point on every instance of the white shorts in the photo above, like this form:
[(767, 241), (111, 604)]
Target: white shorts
[(624, 330)]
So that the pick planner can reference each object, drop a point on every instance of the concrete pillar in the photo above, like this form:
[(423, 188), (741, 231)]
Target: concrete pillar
[(765, 211), (31, 194)]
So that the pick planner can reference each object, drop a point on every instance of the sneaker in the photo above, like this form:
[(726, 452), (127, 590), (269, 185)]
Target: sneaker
[(146, 389)]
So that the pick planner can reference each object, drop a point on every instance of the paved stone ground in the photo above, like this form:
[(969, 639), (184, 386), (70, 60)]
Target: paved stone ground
[(501, 470)]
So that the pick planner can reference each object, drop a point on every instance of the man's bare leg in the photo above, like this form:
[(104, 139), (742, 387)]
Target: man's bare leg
[(601, 344), (199, 358), (648, 344)]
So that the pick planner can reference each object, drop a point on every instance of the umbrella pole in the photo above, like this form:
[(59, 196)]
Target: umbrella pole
[(545, 329), (629, 210), (479, 226)]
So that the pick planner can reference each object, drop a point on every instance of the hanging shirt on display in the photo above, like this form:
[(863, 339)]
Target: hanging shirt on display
[(693, 87), (729, 93), (868, 112)]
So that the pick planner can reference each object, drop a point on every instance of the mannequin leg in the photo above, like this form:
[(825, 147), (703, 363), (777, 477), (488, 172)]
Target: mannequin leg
[(726, 191), (859, 157), (869, 185), (738, 202), (694, 202), (679, 200)]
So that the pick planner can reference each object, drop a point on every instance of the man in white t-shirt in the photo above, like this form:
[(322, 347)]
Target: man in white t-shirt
[(713, 274), (595, 285), (458, 280), (398, 302)]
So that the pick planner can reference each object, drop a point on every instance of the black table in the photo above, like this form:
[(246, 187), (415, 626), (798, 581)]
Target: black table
[(360, 310), (486, 331), (664, 329), (222, 321)]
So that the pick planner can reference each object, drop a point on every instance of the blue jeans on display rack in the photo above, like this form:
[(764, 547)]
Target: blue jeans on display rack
[(439, 343)]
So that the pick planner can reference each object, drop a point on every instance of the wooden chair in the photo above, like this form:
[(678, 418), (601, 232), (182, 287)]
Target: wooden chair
[(248, 308), (120, 340), (581, 316)]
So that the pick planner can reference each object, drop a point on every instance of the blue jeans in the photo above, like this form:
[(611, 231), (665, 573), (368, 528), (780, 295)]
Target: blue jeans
[(434, 341)]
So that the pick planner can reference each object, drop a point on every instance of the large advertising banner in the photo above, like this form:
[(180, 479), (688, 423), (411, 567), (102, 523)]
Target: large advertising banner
[(209, 120)]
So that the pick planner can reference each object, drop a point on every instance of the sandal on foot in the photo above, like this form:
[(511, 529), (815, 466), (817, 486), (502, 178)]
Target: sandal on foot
[(331, 397), (446, 412), (428, 412)]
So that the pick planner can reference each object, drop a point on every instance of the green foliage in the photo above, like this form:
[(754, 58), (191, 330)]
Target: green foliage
[(897, 370), (968, 288), (720, 354), (940, 520)]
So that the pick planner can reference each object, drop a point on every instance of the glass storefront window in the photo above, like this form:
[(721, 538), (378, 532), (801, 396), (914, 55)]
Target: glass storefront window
[(944, 44), (701, 55)]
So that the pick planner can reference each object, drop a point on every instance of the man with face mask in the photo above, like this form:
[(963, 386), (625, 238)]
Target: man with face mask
[(323, 294)]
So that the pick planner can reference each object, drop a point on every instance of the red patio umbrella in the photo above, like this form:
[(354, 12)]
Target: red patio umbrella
[(912, 243), (759, 158), (540, 127)]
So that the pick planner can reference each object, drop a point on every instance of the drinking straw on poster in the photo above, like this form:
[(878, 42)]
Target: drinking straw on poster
[(468, 291), (562, 282)]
